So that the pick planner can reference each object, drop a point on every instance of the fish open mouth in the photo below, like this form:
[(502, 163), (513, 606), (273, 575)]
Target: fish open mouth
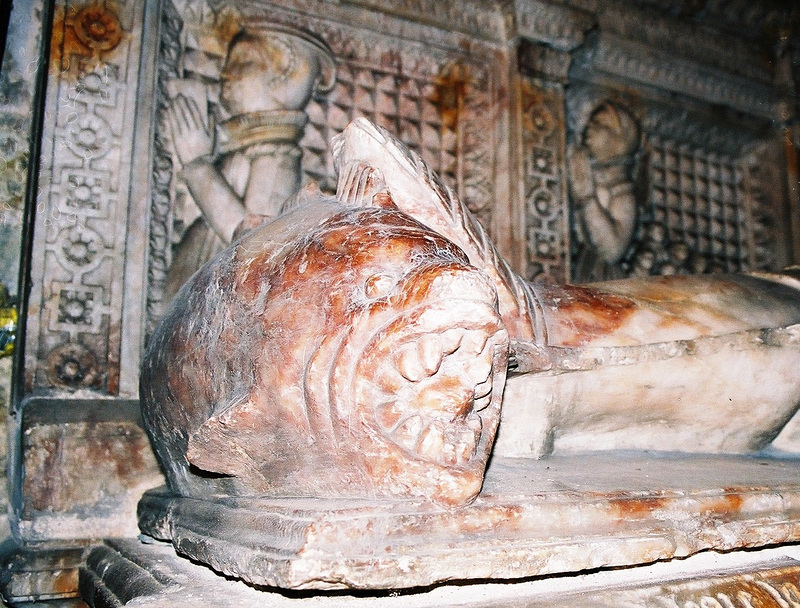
[(435, 377)]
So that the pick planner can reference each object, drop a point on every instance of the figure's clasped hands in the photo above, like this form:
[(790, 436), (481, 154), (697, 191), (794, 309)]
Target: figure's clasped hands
[(190, 134)]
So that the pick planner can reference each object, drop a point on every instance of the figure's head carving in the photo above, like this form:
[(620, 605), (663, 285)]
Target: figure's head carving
[(611, 132), (333, 352), (273, 69)]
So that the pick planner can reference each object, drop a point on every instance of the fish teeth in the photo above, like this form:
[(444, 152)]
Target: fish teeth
[(475, 342), (387, 415), (451, 340), (430, 351), (479, 370), (483, 388), (407, 432), (465, 447), (481, 403), (409, 363), (431, 444)]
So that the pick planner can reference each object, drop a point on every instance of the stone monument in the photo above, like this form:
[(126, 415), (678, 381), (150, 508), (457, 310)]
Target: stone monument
[(324, 396), (253, 163), (118, 119)]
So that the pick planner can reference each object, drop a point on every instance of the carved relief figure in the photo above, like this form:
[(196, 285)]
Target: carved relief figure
[(358, 346), (601, 184), (245, 160)]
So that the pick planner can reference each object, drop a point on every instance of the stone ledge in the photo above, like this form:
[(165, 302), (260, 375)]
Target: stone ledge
[(533, 518)]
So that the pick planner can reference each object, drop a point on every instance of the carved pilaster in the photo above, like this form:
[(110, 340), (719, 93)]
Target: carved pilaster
[(75, 311), (541, 183)]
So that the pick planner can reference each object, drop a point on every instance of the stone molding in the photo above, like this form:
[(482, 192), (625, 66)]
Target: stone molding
[(644, 65), (555, 25), (532, 518), (538, 59), (480, 19), (689, 40)]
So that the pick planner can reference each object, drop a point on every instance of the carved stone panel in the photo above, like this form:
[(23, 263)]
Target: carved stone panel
[(708, 193), (543, 180), (75, 313), (443, 101)]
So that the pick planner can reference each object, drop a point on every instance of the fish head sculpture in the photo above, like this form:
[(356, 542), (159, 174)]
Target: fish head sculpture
[(335, 352)]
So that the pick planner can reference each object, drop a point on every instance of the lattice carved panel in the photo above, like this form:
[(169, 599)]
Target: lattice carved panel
[(698, 211), (425, 110)]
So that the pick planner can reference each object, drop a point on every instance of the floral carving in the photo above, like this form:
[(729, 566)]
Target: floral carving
[(71, 366), (75, 307), (89, 136), (80, 246), (98, 28)]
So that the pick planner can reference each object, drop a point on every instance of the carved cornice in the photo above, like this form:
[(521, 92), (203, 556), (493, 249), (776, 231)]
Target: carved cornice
[(688, 39), (558, 26), (612, 55), (484, 19), (537, 59)]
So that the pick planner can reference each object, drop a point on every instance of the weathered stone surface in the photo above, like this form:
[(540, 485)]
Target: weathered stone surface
[(355, 349), (334, 352), (128, 572), (562, 514), (85, 465), (40, 573)]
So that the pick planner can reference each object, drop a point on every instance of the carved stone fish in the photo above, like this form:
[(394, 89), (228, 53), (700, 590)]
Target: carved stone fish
[(333, 352)]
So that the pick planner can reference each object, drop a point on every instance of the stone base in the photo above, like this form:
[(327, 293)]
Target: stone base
[(128, 572), (533, 518)]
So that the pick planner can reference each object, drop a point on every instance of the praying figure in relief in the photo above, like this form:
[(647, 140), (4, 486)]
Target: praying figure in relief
[(602, 188), (245, 161)]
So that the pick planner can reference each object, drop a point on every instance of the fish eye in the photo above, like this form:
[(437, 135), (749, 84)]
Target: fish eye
[(379, 285)]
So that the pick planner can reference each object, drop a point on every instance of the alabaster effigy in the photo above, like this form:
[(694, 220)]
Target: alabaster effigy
[(333, 352), (324, 397), (700, 363)]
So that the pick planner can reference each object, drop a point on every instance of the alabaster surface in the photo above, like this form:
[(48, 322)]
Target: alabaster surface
[(672, 363), (532, 518), (357, 346), (333, 352), (351, 356)]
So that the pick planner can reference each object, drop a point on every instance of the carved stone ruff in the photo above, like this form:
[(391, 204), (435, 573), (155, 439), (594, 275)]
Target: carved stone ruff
[(330, 353), (243, 132)]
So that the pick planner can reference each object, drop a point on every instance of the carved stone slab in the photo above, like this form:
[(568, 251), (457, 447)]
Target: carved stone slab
[(149, 575), (776, 587), (563, 514)]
